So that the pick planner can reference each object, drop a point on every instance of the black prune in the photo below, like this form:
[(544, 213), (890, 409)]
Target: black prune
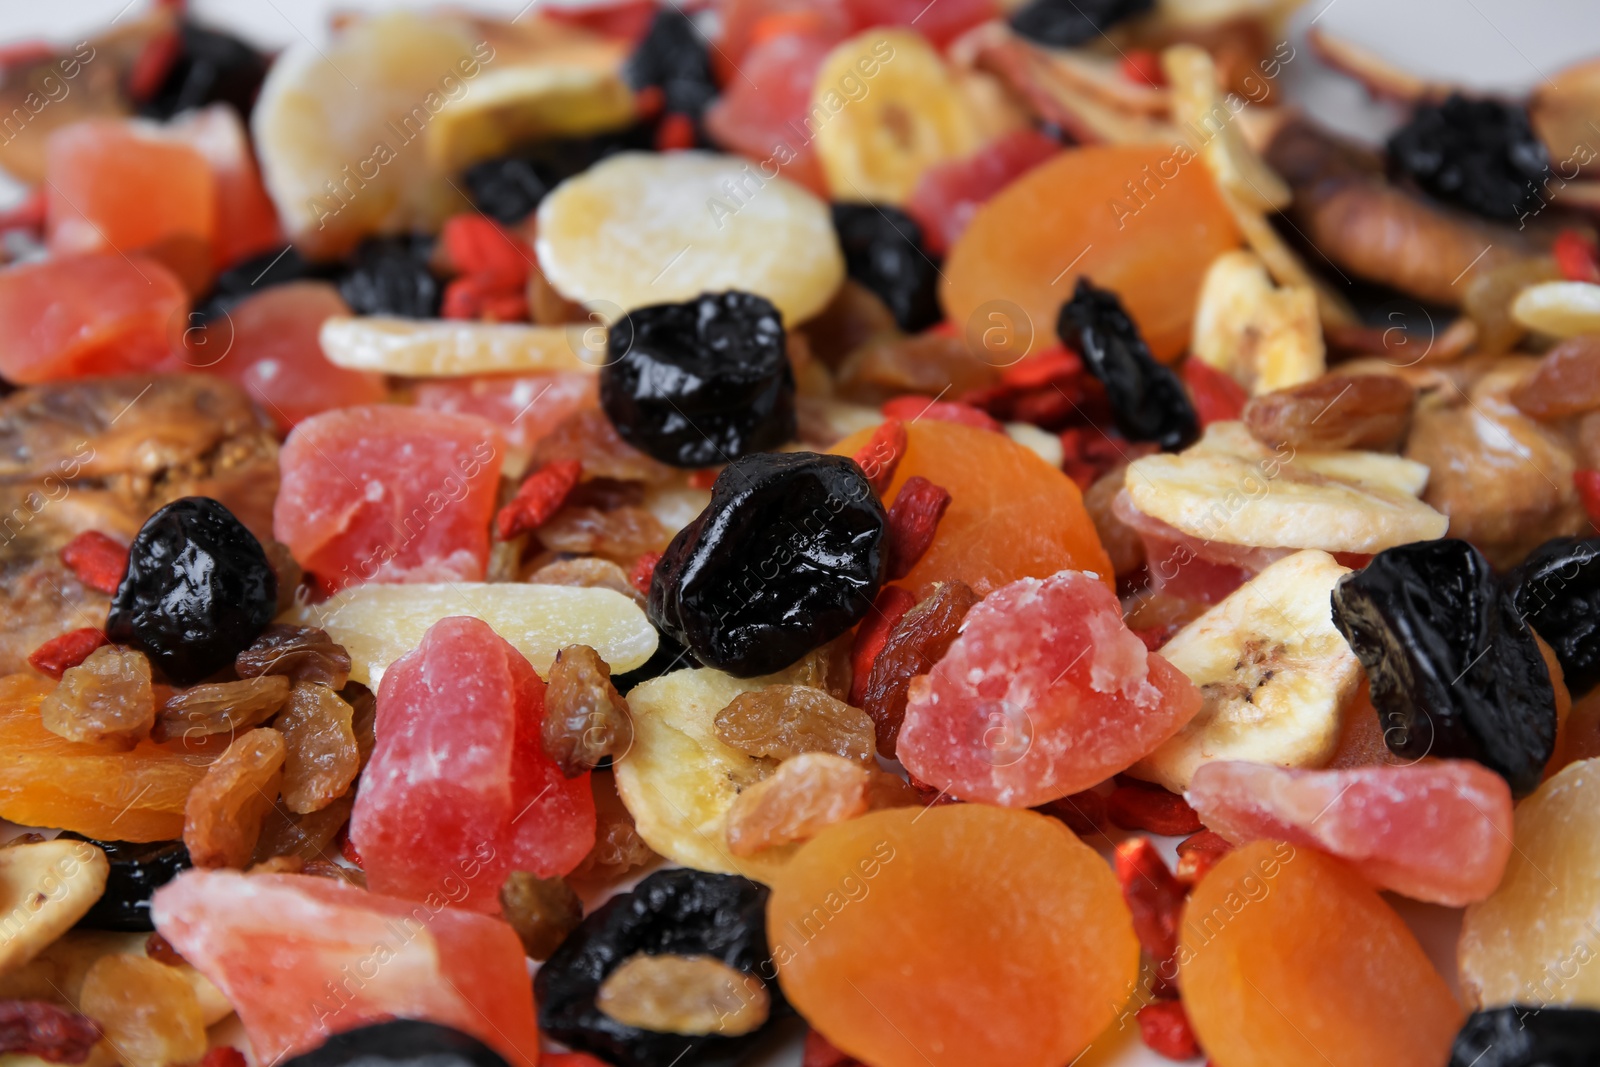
[(675, 58), (675, 912), (390, 276), (883, 251), (1557, 589), (507, 189), (210, 67), (702, 382), (1481, 155), (669, 656), (138, 869), (198, 590), (788, 555), (1528, 1037), (250, 276), (399, 1043), (1147, 400), (1455, 672), (1068, 23)]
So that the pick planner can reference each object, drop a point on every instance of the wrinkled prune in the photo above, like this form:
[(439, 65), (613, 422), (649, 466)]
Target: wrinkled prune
[(702, 382), (390, 276), (1481, 155), (249, 276), (788, 555), (674, 58), (210, 67), (507, 189), (1067, 23), (680, 912), (1557, 589), (1147, 400), (399, 1043), (137, 871), (197, 592), (883, 250), (1455, 671), (1528, 1037)]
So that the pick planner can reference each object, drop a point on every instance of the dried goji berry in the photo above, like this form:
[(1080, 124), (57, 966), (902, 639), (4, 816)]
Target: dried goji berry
[(1164, 1028), (1084, 813), (819, 1053), (1216, 396), (1588, 486), (675, 132), (912, 408), (97, 560), (1149, 807), (39, 1028), (887, 611), (478, 246), (1576, 257), (704, 479), (644, 569), (1154, 897), (66, 650), (152, 64), (1055, 365), (511, 306), (1143, 66), (1154, 636), (541, 496), (881, 454), (228, 1056), (913, 520), (1089, 452), (347, 849), (160, 949), (1198, 854)]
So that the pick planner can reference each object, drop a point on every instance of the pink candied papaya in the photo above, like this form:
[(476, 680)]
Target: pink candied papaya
[(301, 956), (525, 407), (1045, 693), (246, 221), (459, 778), (377, 493)]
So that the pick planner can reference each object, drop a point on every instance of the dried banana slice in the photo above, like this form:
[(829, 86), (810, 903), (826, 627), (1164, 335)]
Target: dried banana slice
[(886, 108), (1273, 670), (1561, 309), (45, 887), (1265, 338), (646, 228), (419, 348), (1198, 106), (1369, 470)]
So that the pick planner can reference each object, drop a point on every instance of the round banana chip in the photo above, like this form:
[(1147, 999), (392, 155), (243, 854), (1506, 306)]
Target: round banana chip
[(646, 228), (1561, 309)]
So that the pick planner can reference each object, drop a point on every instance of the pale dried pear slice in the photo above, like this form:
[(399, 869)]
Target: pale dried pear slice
[(445, 348)]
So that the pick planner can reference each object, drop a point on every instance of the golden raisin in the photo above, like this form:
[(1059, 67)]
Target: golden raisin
[(148, 1010), (543, 911), (320, 754), (220, 708), (106, 699), (222, 817), (687, 995), (917, 642), (299, 653), (310, 837), (585, 719), (1489, 295), (803, 797), (618, 848), (588, 573), (781, 721), (1371, 411), (1565, 383), (931, 364), (589, 437), (826, 668)]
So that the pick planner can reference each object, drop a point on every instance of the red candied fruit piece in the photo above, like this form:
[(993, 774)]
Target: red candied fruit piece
[(302, 956), (98, 561), (1576, 257), (764, 112), (247, 223), (1164, 1028), (570, 1059), (541, 495), (223, 1056), (881, 455), (940, 23), (1143, 65), (1045, 692), (644, 572), (1199, 853), (1156, 899), (524, 406), (949, 194), (1056, 365), (891, 606), (912, 408), (1587, 483), (1138, 806), (67, 650), (459, 780), (675, 132), (913, 520), (1216, 396), (626, 20), (1084, 813), (71, 316), (820, 1053), (486, 297), (374, 493)]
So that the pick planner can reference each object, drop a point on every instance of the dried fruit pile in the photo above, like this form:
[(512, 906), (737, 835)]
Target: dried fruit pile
[(848, 509)]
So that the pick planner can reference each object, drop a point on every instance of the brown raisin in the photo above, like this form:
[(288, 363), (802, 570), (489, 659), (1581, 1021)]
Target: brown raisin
[(588, 573), (618, 848), (223, 815), (299, 653), (311, 837), (543, 911), (320, 754), (39, 1028), (1565, 383), (688, 995), (931, 364), (585, 719), (220, 708), (107, 699), (826, 668), (364, 720), (589, 437), (781, 721), (1371, 411), (804, 796), (619, 533), (918, 642)]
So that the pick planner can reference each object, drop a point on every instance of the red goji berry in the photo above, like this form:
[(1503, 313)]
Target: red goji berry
[(479, 246), (1215, 395), (1164, 1028), (223, 1056), (1576, 257), (704, 479), (570, 1059), (1056, 364), (1588, 486), (1143, 66), (1154, 897), (887, 611), (1087, 453), (65, 651), (509, 306), (644, 569), (1154, 636), (152, 65), (347, 849), (98, 561), (1043, 407), (882, 453), (820, 1053), (39, 1028), (1084, 813), (675, 133), (1149, 807), (160, 949), (541, 496), (27, 215), (649, 101), (463, 299), (913, 520), (1198, 854), (912, 408)]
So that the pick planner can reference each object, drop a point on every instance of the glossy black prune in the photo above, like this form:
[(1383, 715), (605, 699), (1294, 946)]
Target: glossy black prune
[(390, 276), (399, 1043), (675, 912), (507, 189), (1068, 23), (1455, 672), (198, 590), (1147, 400), (788, 555), (669, 656), (1481, 155), (138, 869), (1557, 589), (883, 251), (1528, 1037), (702, 382), (210, 67), (675, 58)]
